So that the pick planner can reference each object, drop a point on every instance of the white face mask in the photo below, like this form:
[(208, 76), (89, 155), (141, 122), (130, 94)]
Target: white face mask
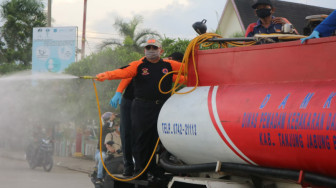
[(152, 54)]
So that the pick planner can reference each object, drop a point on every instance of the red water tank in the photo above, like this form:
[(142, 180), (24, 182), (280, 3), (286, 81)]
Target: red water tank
[(269, 105)]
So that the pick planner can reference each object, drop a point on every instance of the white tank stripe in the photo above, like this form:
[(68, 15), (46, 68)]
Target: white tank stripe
[(214, 109)]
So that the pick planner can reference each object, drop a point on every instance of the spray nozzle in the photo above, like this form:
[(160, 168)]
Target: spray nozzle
[(88, 77)]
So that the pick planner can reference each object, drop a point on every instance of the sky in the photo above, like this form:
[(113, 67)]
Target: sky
[(171, 18)]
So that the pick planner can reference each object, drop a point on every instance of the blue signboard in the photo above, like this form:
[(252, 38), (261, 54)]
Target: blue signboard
[(54, 48)]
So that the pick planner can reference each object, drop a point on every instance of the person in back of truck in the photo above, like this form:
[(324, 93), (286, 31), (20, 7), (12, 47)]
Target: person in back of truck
[(125, 102), (267, 23)]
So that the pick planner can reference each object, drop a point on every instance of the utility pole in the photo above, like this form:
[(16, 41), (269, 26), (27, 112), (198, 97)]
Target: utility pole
[(83, 33), (49, 13)]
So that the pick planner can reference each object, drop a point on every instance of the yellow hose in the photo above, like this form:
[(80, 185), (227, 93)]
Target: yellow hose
[(190, 51), (100, 146)]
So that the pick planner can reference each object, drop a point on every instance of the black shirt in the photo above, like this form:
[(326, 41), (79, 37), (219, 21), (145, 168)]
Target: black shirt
[(129, 91), (147, 80)]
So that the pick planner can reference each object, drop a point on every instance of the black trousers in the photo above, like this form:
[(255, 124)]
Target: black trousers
[(126, 133), (144, 132)]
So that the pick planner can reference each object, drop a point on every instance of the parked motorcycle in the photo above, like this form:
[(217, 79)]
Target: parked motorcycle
[(42, 155)]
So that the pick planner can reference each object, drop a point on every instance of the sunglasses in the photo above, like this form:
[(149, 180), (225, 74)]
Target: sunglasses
[(151, 47)]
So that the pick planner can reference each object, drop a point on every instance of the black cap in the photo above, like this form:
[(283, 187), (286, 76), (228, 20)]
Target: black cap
[(262, 2), (177, 56)]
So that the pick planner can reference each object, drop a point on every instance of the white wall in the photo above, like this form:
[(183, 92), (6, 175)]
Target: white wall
[(229, 24)]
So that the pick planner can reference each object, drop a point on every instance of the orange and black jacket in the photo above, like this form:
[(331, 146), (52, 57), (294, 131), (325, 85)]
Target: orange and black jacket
[(146, 77)]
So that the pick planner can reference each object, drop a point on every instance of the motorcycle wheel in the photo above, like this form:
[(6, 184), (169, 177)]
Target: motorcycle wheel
[(31, 165), (47, 166)]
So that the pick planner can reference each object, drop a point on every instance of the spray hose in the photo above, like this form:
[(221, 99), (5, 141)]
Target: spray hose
[(184, 72), (100, 139), (200, 40)]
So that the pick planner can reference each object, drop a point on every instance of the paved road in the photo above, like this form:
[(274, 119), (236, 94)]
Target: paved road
[(17, 174)]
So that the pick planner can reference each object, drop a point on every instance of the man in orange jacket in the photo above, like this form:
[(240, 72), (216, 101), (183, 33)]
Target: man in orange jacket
[(148, 100), (124, 97)]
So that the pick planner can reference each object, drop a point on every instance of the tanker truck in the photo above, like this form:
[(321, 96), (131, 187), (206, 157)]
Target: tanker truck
[(260, 116), (264, 112)]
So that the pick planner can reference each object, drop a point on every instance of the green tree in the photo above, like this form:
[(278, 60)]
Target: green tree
[(83, 100), (6, 67), (133, 39), (20, 16), (237, 35), (174, 45)]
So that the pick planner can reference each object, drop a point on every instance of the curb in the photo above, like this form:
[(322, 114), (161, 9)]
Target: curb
[(85, 171)]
